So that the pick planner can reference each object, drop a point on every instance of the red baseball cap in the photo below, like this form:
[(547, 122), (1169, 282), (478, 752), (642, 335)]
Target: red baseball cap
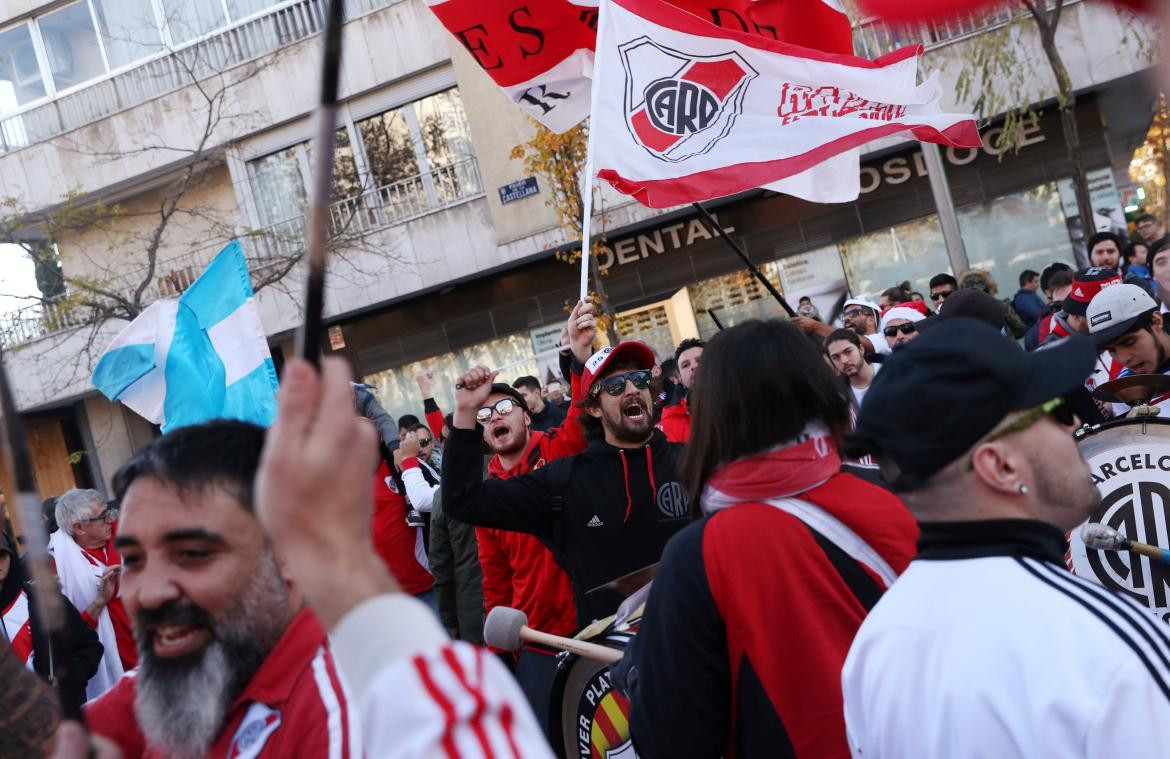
[(632, 350), (1086, 284)]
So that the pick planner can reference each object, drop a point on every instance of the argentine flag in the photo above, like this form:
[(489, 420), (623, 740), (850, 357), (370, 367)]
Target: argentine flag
[(201, 357)]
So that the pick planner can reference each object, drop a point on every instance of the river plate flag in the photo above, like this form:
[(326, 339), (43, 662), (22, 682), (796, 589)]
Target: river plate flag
[(203, 356), (541, 53), (688, 111)]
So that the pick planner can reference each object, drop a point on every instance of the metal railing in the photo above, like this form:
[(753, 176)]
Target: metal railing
[(173, 70), (268, 250), (873, 37)]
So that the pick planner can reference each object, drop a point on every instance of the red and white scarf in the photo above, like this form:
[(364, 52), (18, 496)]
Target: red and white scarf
[(782, 477)]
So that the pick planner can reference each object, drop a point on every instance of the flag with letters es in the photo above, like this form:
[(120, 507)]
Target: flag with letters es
[(687, 111), (540, 52)]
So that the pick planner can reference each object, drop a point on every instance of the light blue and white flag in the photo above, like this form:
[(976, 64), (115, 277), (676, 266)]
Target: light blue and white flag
[(201, 357)]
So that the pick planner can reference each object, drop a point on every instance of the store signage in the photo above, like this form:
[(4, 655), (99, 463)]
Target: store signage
[(521, 188), (1108, 212), (662, 240), (904, 168)]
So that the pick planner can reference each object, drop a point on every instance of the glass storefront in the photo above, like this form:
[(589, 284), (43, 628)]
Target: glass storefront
[(913, 251)]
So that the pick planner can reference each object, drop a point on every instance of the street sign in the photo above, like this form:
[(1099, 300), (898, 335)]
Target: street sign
[(521, 188)]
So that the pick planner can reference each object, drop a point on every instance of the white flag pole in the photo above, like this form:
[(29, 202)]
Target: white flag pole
[(587, 180)]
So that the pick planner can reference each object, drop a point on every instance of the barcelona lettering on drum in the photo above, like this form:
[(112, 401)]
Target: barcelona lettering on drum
[(1130, 462)]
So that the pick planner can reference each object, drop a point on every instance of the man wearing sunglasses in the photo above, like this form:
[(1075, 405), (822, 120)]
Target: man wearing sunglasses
[(987, 638), (518, 570), (89, 568), (900, 325), (606, 512), (941, 287)]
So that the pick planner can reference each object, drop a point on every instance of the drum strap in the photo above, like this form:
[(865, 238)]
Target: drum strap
[(560, 473)]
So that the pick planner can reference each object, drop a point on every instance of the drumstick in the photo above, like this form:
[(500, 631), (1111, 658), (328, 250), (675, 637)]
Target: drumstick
[(507, 628), (308, 337), (1105, 538)]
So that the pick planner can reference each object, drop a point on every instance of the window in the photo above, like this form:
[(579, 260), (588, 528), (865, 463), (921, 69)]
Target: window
[(1026, 230), (242, 8), (129, 30), (188, 19), (20, 74), (389, 146), (734, 298), (71, 45), (278, 185), (912, 251)]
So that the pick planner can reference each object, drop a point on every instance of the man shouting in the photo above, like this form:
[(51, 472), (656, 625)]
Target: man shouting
[(230, 661)]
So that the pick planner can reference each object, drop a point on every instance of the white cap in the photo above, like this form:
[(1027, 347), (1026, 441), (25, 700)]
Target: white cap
[(1114, 311), (902, 312), (864, 303)]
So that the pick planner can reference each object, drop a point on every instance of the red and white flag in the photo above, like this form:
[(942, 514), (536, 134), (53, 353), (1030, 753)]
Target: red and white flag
[(687, 111), (541, 52)]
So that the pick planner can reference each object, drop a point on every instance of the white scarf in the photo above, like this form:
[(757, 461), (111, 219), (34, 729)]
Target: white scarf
[(81, 577)]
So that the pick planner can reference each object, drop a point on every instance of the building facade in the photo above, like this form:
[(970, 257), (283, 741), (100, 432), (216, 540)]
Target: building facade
[(445, 247)]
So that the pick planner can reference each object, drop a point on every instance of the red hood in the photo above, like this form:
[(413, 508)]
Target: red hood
[(497, 470)]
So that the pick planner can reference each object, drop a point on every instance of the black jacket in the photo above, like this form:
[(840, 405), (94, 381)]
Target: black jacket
[(551, 416), (604, 513), (454, 558)]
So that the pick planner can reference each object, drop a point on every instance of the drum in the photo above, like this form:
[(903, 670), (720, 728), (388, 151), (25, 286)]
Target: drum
[(589, 719), (1130, 463)]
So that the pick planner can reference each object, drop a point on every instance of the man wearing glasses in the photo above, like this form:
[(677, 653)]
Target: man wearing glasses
[(89, 567), (941, 286), (987, 639), (606, 512)]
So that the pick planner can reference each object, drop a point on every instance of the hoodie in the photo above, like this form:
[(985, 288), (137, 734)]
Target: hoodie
[(619, 507)]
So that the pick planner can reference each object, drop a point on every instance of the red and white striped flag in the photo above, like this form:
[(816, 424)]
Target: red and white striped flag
[(688, 111), (541, 53)]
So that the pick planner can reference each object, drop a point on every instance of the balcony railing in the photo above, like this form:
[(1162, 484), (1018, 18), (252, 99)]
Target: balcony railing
[(269, 250), (173, 70), (873, 37)]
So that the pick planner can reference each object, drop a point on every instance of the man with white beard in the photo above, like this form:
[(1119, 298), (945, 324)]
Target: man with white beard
[(231, 662)]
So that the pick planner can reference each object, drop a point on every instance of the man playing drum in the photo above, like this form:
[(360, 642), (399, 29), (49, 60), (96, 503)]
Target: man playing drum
[(987, 646)]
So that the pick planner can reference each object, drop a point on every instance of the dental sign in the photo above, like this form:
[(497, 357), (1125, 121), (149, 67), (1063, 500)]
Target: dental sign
[(630, 250)]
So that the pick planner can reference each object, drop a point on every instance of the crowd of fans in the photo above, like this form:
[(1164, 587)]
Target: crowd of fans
[(725, 464)]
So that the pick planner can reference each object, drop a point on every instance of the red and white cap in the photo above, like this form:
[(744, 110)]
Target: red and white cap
[(632, 350)]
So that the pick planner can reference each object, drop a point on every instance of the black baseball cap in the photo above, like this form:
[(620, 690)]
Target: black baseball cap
[(967, 373), (968, 303), (506, 389)]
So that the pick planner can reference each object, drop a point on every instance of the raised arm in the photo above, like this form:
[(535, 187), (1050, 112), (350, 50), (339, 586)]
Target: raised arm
[(431, 410), (569, 437)]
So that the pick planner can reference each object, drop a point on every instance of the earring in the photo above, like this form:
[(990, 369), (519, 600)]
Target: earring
[(1023, 489)]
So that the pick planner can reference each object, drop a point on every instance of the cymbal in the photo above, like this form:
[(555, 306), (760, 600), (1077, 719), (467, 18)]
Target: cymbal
[(627, 584), (1135, 390)]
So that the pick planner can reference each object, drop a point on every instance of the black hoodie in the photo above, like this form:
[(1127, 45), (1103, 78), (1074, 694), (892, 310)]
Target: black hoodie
[(81, 644), (620, 507)]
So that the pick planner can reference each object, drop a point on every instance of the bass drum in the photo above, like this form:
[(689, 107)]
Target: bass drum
[(1130, 463), (592, 717)]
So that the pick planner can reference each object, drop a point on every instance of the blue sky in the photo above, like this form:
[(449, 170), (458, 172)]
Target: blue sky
[(16, 278)]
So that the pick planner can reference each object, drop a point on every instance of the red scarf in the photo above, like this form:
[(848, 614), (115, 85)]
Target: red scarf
[(786, 470)]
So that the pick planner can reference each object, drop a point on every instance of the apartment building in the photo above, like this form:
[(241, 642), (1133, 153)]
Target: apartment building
[(445, 251)]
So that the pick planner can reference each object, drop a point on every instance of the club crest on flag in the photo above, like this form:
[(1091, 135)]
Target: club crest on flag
[(678, 105)]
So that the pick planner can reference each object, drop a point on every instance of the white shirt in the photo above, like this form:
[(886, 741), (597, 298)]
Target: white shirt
[(1006, 656), (859, 392), (880, 343)]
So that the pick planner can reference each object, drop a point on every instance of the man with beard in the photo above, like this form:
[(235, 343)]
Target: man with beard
[(605, 512), (230, 661), (843, 347), (986, 645), (860, 315)]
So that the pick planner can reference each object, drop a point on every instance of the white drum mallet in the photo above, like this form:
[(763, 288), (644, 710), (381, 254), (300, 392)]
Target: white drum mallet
[(1105, 538), (508, 628)]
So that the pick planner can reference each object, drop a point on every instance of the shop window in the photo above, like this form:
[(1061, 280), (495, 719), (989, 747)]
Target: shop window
[(71, 45), (1012, 233), (734, 298), (816, 275), (913, 251), (397, 391), (650, 326), (20, 75), (129, 30)]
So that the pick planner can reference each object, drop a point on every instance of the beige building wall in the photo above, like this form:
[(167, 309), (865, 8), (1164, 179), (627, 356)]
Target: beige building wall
[(117, 434)]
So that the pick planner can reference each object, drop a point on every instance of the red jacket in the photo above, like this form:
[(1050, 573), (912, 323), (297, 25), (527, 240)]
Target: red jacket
[(293, 706), (396, 541), (123, 632), (518, 570), (676, 422)]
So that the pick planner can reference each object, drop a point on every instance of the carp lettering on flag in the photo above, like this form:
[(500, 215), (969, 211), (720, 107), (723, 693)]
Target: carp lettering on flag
[(703, 112), (541, 52)]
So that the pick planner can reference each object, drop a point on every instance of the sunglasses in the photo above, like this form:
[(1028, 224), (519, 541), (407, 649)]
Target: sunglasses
[(428, 441), (852, 314), (503, 407), (1059, 410), (110, 515), (616, 384), (941, 296), (908, 328)]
